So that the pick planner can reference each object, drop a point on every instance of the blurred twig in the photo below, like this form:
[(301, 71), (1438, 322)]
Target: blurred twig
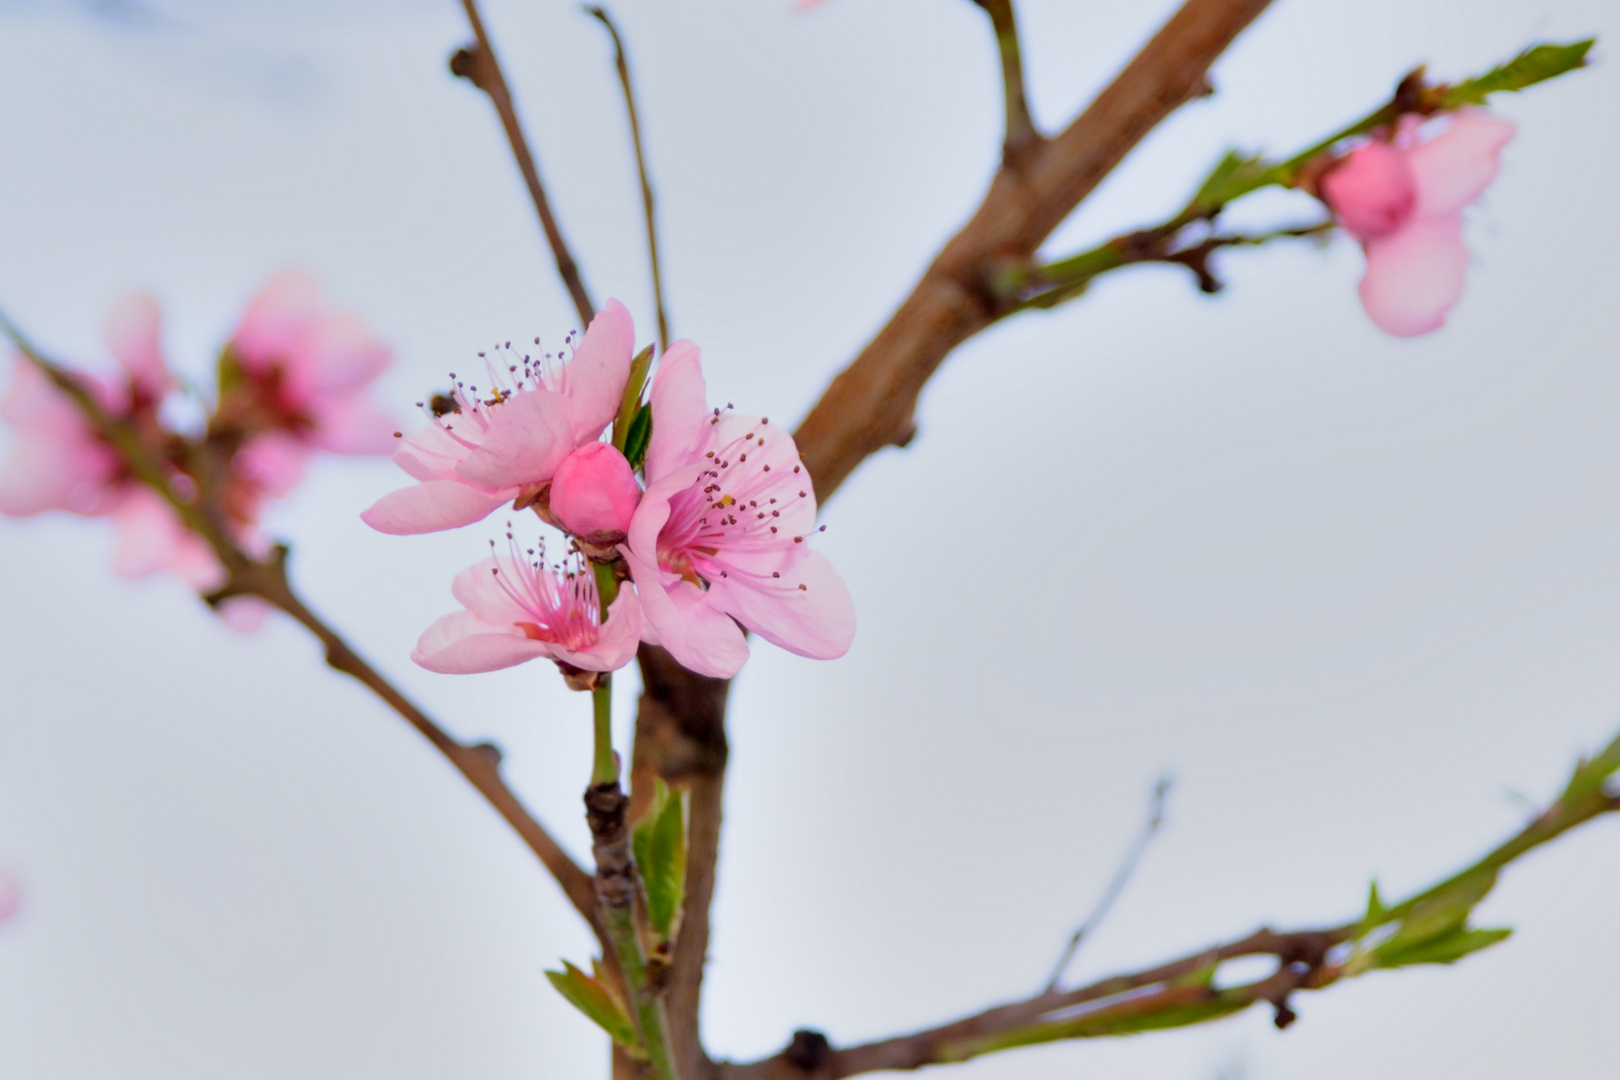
[(1021, 135), (1122, 875), (478, 63), (622, 65)]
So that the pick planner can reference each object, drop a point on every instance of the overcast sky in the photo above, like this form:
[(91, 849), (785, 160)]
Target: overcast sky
[(1361, 596)]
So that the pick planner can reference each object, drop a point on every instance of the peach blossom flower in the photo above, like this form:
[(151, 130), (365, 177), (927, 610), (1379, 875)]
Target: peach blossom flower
[(59, 463), (299, 382), (594, 494), (1404, 200), (721, 535), (518, 609), (483, 451)]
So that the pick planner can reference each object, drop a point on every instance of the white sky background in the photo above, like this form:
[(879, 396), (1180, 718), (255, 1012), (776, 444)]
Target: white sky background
[(1354, 592)]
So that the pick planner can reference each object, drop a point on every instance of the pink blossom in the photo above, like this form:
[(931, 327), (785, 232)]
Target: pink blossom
[(305, 373), (721, 535), (487, 451), (58, 462), (519, 610), (1404, 202), (594, 494), (10, 896)]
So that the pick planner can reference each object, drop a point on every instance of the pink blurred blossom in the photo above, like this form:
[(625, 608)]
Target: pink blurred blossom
[(518, 610), (721, 536), (306, 373), (594, 494), (1404, 200), (10, 896), (488, 451), (59, 463)]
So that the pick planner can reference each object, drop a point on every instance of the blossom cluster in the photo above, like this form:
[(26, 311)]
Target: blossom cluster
[(1401, 193), (710, 541), (293, 381)]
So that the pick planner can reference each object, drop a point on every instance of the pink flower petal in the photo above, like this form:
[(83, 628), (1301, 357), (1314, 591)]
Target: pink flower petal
[(1372, 191), (679, 406), (274, 463), (10, 896), (702, 638), (244, 614), (482, 592), (620, 635), (338, 353), (464, 644), (1415, 276), (433, 505), (1454, 168), (594, 378), (151, 538), (55, 463), (527, 439), (430, 454), (276, 320), (134, 337), (817, 621), (351, 424)]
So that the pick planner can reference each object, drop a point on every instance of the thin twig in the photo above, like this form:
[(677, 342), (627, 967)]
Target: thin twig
[(1121, 876), (622, 64), (480, 64), (267, 579), (1021, 134)]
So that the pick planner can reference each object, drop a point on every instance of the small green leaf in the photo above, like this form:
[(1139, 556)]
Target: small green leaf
[(1534, 65), (1591, 775), (230, 372), (633, 386), (640, 434), (593, 999), (659, 842), (1234, 175), (1377, 913), (1447, 948), (1447, 909)]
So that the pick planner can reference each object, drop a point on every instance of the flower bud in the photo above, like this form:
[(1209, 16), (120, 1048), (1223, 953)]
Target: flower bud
[(1372, 191), (593, 494)]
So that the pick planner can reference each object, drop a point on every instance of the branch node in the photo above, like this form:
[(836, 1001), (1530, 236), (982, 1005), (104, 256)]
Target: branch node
[(809, 1051), (464, 63), (488, 752)]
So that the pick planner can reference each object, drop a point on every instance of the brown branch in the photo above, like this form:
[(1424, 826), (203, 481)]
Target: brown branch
[(871, 403), (478, 63), (479, 763), (1021, 135), (681, 738)]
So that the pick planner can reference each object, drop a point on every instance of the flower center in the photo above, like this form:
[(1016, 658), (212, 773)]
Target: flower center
[(560, 600), (730, 521)]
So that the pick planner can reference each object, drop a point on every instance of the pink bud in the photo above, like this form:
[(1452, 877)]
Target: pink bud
[(1372, 191), (594, 493)]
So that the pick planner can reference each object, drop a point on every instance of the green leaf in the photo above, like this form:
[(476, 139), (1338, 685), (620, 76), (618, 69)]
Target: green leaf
[(1444, 910), (659, 842), (1234, 175), (1377, 913), (639, 435), (1591, 775), (1534, 65), (633, 386), (1447, 948), (593, 999)]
